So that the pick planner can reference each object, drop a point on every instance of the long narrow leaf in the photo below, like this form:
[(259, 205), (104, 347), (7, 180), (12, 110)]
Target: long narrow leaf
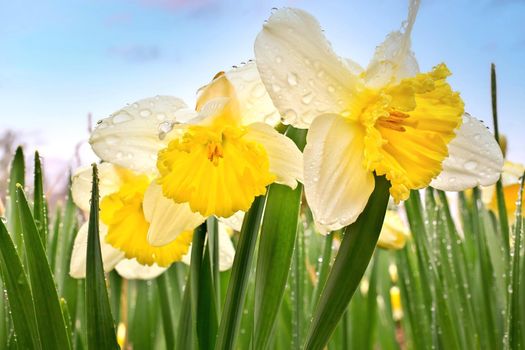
[(515, 289), (100, 327), (18, 292), (276, 246), (17, 176), (39, 202), (235, 296), (51, 323), (500, 197), (354, 254)]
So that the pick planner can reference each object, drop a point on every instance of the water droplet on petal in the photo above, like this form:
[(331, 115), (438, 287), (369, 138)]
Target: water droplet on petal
[(121, 117), (290, 116), (111, 140), (145, 113), (471, 165), (276, 88), (331, 89), (292, 79), (258, 91), (306, 99), (278, 59), (164, 128)]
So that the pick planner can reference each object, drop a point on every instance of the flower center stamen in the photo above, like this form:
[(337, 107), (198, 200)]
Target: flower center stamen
[(397, 121), (215, 152), (217, 171)]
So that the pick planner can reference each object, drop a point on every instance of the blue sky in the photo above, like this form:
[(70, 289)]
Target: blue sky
[(60, 60)]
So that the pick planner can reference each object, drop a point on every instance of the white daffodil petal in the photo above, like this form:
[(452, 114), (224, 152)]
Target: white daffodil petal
[(234, 221), (394, 232), (254, 102), (286, 160), (474, 159), (109, 182), (132, 270), (301, 72), (209, 111), (132, 136), (336, 184), (110, 255), (393, 59), (226, 250), (353, 66), (187, 258), (167, 219), (512, 172)]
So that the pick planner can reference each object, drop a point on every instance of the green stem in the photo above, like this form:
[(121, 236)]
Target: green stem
[(354, 255), (502, 209), (237, 287)]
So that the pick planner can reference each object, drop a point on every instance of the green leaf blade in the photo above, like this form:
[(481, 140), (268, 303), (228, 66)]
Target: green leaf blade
[(354, 254), (100, 326), (19, 293), (39, 201), (276, 246), (238, 285), (50, 320)]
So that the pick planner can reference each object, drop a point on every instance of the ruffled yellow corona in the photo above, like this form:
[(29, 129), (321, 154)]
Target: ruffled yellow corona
[(215, 166), (127, 227), (408, 127)]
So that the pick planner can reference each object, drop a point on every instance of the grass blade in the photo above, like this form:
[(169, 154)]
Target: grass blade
[(515, 290), (213, 250), (17, 176), (354, 254), (19, 293), (324, 267), (64, 244), (100, 327), (276, 248), (39, 202), (278, 233), (237, 287), (185, 331), (204, 311), (51, 323), (502, 210)]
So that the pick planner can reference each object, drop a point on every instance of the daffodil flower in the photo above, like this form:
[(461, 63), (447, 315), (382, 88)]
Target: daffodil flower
[(124, 227), (388, 119), (210, 161), (510, 178), (394, 232)]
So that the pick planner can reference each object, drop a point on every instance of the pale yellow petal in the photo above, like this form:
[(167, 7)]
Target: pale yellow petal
[(246, 86), (132, 136), (301, 72), (133, 270), (393, 59), (336, 183), (110, 255), (234, 221), (286, 160), (167, 219), (226, 250), (394, 232), (474, 159), (109, 182)]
